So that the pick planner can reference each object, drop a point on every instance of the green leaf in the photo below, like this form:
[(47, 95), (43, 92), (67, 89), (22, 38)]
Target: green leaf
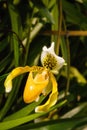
[(74, 15), (43, 10), (85, 3), (66, 124), (55, 17), (16, 122), (3, 45), (10, 98), (60, 124), (16, 28), (6, 61), (76, 112), (75, 73), (24, 111), (2, 78)]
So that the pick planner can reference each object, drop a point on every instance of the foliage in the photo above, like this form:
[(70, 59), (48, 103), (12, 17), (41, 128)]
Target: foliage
[(25, 27)]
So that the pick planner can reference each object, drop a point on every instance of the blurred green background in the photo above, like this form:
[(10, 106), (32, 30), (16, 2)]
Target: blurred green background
[(25, 27)]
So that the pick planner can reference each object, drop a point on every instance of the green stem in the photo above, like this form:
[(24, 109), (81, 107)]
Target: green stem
[(59, 26), (68, 67), (67, 60)]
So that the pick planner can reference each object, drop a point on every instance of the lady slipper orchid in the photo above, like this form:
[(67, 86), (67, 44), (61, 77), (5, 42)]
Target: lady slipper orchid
[(40, 79)]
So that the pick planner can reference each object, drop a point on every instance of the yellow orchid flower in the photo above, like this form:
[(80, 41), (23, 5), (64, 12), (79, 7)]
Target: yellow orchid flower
[(40, 79), (35, 85)]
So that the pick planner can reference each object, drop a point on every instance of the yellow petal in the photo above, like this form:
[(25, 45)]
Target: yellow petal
[(35, 86), (17, 71), (52, 98)]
